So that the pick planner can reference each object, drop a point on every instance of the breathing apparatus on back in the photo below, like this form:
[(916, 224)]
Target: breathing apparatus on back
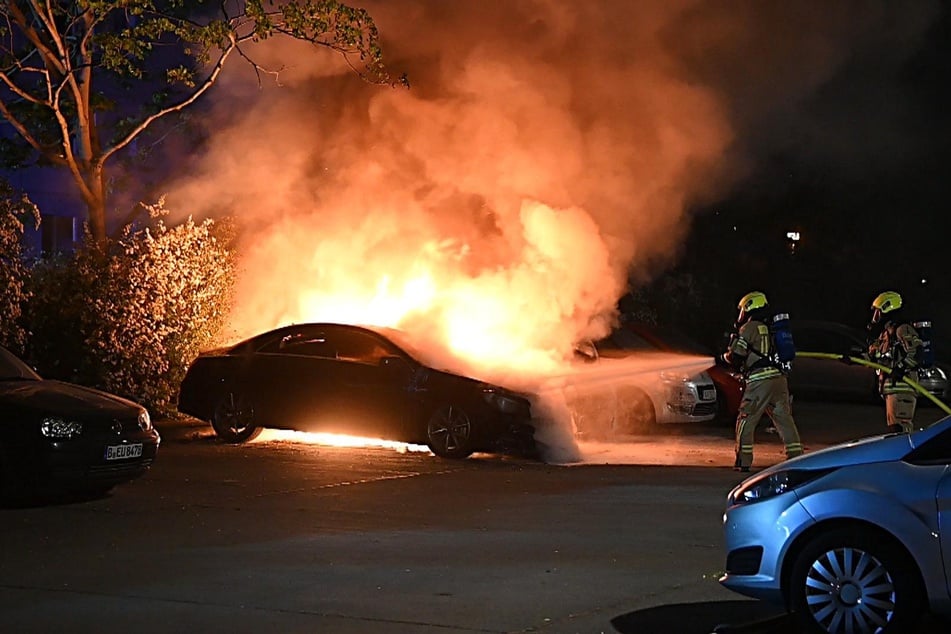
[(782, 350)]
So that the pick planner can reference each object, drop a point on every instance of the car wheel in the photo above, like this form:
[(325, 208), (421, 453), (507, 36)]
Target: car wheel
[(635, 413), (233, 419), (449, 432), (854, 582)]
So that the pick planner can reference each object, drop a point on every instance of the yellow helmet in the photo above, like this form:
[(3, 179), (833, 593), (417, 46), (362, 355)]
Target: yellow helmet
[(887, 302), (752, 301)]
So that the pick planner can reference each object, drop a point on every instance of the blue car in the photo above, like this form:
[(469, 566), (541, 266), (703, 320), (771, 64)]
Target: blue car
[(854, 538)]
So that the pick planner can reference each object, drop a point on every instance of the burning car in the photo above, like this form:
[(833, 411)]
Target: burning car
[(63, 437), (357, 380)]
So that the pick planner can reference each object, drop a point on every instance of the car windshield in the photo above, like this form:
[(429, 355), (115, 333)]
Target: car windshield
[(12, 369), (669, 338), (401, 339)]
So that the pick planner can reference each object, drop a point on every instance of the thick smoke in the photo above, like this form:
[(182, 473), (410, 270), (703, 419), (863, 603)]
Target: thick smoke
[(545, 152), (547, 156)]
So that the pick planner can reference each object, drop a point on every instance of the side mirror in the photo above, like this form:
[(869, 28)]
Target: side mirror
[(586, 351)]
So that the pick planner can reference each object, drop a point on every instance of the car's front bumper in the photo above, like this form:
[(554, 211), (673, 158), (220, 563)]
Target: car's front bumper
[(80, 463), (764, 531), (688, 402)]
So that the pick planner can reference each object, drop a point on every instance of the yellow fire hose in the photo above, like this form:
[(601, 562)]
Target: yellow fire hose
[(877, 366)]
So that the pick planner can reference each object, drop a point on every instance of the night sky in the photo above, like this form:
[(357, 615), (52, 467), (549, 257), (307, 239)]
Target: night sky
[(858, 165)]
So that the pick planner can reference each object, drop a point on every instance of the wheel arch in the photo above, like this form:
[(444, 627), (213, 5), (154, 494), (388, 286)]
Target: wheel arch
[(851, 524)]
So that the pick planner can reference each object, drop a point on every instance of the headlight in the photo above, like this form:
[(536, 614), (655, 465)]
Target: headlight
[(501, 402), (59, 428), (764, 487), (145, 422), (934, 372)]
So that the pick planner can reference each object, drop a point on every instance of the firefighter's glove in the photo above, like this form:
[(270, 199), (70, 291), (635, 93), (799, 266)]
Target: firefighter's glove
[(847, 359), (721, 361)]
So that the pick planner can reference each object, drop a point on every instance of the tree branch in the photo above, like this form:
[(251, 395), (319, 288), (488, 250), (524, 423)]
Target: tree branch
[(208, 83)]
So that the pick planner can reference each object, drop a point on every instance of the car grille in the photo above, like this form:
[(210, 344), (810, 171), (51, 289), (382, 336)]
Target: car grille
[(704, 409), (124, 469), (744, 561)]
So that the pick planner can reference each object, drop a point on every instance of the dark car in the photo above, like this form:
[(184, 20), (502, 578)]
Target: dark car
[(364, 381), (830, 379), (63, 437)]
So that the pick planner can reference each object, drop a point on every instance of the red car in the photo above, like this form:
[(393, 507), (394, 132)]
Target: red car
[(728, 383)]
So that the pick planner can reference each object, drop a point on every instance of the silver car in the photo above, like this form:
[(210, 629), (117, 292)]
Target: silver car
[(853, 538), (634, 388)]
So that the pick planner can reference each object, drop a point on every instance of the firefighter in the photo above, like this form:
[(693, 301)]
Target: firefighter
[(894, 343), (765, 390)]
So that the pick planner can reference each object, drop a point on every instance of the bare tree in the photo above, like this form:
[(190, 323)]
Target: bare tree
[(64, 67)]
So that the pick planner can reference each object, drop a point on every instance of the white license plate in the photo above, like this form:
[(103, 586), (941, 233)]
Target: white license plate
[(121, 452)]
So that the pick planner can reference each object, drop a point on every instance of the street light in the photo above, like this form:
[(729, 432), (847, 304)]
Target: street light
[(793, 238)]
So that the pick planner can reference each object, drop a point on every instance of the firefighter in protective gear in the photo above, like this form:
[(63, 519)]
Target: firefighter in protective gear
[(894, 343), (766, 390)]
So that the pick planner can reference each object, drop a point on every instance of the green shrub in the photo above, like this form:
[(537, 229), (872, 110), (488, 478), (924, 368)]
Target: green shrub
[(15, 209), (128, 318)]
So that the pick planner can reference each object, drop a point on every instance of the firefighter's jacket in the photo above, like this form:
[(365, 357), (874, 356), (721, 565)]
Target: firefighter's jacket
[(897, 344), (749, 352)]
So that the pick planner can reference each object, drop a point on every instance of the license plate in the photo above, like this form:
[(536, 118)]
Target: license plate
[(121, 452)]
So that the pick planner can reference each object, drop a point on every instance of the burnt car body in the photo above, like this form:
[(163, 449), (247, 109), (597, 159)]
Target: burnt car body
[(58, 436), (358, 380)]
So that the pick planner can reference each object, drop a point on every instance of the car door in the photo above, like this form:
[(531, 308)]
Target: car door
[(371, 380), (291, 378), (828, 377), (944, 519)]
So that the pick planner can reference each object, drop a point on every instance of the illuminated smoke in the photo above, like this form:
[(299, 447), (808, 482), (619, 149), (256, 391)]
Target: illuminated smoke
[(547, 154), (544, 153)]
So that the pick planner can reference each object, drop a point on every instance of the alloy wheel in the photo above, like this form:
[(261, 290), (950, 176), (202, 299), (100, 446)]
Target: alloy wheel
[(449, 432)]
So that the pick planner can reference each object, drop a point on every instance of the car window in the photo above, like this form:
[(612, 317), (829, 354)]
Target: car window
[(361, 347), (677, 341), (935, 451), (624, 339), (818, 340), (305, 342)]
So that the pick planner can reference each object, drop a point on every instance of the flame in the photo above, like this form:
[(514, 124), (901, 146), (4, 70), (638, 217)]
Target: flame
[(336, 440), (544, 160)]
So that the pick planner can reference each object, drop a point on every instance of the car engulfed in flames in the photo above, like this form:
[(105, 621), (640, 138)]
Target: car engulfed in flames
[(356, 380)]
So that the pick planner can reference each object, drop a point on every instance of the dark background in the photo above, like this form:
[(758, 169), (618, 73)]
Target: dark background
[(861, 173)]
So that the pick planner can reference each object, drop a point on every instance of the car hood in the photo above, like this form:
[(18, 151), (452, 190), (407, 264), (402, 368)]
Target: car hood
[(883, 448), (56, 396)]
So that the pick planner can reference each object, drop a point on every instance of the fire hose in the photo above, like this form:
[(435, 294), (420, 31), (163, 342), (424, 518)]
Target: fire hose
[(871, 364)]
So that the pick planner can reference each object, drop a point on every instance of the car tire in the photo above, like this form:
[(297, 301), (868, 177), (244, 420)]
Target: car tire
[(233, 419), (852, 581), (449, 432), (635, 413)]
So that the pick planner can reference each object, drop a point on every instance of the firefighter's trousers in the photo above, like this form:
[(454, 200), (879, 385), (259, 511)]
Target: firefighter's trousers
[(900, 409), (769, 395)]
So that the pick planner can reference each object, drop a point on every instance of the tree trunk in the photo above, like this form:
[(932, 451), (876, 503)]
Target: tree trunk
[(94, 196)]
